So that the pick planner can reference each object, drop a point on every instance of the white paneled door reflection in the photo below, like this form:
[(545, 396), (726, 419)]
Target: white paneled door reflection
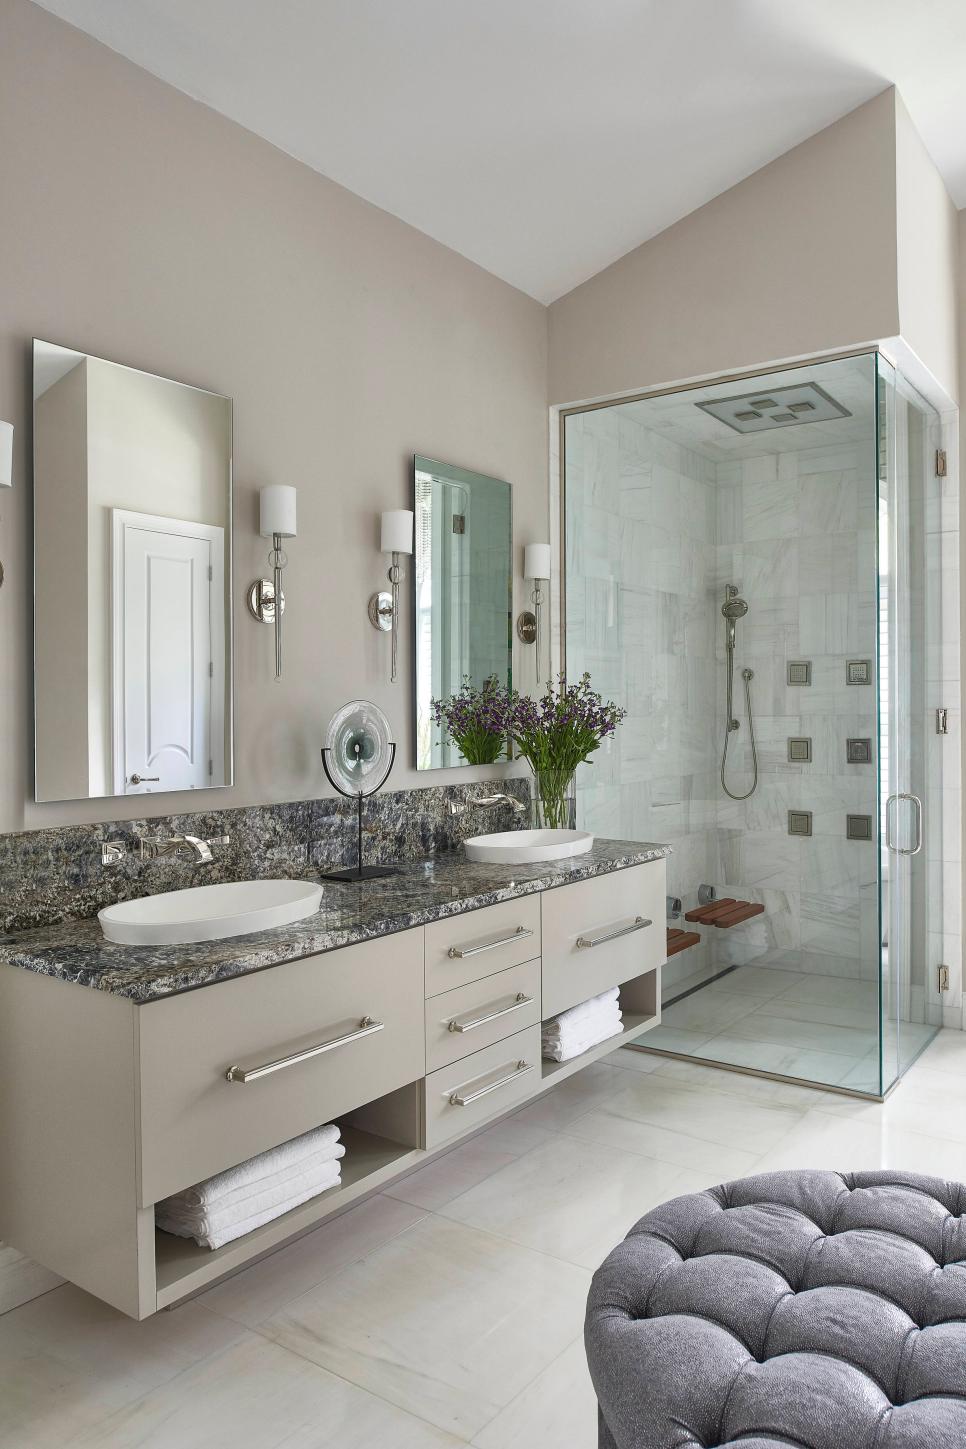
[(168, 581)]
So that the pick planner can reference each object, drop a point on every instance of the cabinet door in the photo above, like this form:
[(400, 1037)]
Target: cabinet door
[(462, 1096), (362, 1004), (471, 1017), (598, 933), (470, 946)]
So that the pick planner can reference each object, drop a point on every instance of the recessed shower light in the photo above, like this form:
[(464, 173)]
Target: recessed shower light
[(805, 402)]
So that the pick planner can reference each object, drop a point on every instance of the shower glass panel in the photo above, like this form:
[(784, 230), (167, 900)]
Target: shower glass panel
[(912, 670), (751, 571)]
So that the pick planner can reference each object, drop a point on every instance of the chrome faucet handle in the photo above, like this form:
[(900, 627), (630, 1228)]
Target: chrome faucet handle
[(112, 852)]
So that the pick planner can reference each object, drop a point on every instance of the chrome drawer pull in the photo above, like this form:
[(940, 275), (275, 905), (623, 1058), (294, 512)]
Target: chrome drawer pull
[(584, 943), (521, 1000), (457, 1100), (366, 1027), (459, 953)]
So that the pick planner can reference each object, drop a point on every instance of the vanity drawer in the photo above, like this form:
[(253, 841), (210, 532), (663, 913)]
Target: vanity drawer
[(467, 947), (603, 915), (486, 1084), (195, 1122), (475, 1016)]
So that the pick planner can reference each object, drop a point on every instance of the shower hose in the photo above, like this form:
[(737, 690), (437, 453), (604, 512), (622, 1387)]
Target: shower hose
[(731, 724)]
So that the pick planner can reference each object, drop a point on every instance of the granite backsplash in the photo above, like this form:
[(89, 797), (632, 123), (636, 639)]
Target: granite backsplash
[(55, 875)]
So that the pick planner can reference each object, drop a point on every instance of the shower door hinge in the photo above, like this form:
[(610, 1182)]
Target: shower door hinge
[(940, 462), (942, 721), (943, 978)]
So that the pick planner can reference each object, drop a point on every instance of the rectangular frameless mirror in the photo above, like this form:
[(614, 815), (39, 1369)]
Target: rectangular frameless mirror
[(132, 580), (463, 591)]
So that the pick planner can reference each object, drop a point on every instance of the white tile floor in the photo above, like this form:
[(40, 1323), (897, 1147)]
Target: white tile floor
[(448, 1310), (820, 1028)]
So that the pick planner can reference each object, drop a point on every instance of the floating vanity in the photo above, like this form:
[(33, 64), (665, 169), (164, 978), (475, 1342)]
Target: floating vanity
[(407, 1010)]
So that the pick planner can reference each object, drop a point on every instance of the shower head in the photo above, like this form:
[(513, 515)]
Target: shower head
[(734, 608)]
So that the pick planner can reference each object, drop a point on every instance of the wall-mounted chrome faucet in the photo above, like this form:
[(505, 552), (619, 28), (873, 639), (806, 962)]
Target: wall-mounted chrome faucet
[(487, 802), (155, 847)]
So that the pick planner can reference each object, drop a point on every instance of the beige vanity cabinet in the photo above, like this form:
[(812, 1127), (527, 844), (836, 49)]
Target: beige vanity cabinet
[(411, 1042)]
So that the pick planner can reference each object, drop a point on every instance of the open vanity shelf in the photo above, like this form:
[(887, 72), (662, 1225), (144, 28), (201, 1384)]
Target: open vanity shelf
[(640, 1011), (182, 1267), (411, 1041)]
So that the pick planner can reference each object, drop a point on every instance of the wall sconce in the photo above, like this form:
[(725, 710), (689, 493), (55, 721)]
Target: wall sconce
[(536, 566), (6, 465), (276, 510), (396, 537)]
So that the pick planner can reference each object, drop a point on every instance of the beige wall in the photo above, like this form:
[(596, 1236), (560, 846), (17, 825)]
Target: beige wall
[(799, 258), (142, 227), (927, 256)]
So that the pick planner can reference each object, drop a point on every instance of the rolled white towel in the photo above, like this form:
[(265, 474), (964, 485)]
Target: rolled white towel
[(265, 1165), (245, 1202), (215, 1234)]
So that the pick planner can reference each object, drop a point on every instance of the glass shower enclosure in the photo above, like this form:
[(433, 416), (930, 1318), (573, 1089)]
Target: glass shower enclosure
[(759, 569)]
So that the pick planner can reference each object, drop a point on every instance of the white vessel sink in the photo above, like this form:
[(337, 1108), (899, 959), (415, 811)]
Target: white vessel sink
[(527, 847), (209, 913)]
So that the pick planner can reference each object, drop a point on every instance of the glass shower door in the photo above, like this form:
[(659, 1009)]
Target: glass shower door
[(910, 670)]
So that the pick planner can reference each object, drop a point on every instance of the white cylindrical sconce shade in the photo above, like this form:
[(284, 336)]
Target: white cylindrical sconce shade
[(536, 561), (6, 455), (276, 510), (397, 531)]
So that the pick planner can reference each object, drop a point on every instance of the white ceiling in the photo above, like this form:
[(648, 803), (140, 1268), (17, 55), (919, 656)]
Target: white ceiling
[(545, 138)]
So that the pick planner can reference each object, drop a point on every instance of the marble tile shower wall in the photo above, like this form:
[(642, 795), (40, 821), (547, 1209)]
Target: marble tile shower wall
[(55, 875), (796, 532), (640, 587)]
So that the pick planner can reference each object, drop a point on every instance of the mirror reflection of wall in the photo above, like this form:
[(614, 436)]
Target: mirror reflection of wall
[(132, 526), (463, 589)]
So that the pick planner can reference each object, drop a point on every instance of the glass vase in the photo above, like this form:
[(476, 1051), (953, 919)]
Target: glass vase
[(554, 801)]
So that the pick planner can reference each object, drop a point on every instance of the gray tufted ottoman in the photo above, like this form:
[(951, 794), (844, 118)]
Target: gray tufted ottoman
[(795, 1310)]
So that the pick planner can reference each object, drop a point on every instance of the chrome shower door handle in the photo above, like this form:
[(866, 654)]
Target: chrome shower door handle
[(890, 839)]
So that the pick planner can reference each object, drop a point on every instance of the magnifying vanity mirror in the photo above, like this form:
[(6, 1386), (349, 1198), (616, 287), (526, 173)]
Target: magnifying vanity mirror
[(463, 592), (132, 571)]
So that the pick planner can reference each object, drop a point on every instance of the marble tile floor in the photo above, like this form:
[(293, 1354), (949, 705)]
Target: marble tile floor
[(797, 1024), (447, 1310)]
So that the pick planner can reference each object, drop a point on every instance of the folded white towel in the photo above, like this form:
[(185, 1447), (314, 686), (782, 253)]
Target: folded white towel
[(217, 1234), (187, 1203), (560, 1030), (250, 1201), (265, 1165), (586, 1011), (565, 1050)]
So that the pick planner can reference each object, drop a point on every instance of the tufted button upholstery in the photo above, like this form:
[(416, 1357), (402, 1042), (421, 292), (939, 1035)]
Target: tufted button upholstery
[(793, 1310)]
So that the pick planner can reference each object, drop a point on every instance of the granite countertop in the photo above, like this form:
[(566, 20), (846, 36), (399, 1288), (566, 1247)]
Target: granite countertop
[(423, 891)]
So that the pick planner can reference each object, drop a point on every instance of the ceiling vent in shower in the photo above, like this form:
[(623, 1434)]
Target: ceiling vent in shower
[(776, 407)]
